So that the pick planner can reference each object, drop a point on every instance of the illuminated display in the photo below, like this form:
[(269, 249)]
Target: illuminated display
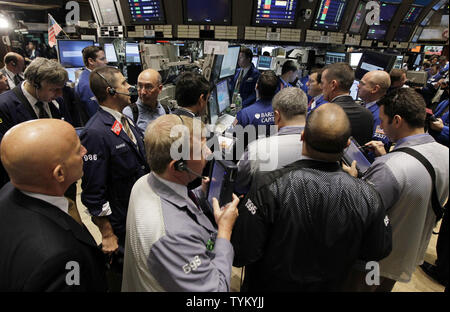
[(412, 15), (377, 32), (358, 18), (387, 11), (330, 14), (146, 11), (403, 33), (275, 12), (207, 12)]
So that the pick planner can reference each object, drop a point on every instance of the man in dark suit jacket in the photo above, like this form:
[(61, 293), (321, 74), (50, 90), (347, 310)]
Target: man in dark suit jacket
[(39, 96), (44, 246), (336, 81)]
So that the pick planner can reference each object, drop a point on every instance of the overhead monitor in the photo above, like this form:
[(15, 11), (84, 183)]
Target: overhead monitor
[(217, 12), (355, 57), (358, 19), (146, 12), (354, 90), (107, 13), (267, 49), (229, 62), (387, 11), (372, 60), (264, 62), (223, 95), (132, 53), (377, 32), (432, 50), (412, 14), (334, 57), (418, 60), (422, 2), (330, 14), (255, 61), (70, 52), (71, 72), (110, 53), (398, 62), (427, 18), (416, 49), (275, 13), (403, 33), (417, 34), (439, 5)]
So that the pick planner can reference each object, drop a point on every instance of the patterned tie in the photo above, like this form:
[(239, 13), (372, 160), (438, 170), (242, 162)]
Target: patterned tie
[(127, 129), (239, 80), (17, 80), (42, 112), (73, 211), (193, 198)]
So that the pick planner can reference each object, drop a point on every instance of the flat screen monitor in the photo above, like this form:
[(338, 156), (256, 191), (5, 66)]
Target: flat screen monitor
[(377, 32), (146, 11), (275, 13), (334, 57), (70, 52), (372, 60), (132, 53), (403, 33), (354, 90), (398, 62), (432, 50), (71, 72), (412, 15), (255, 61), (422, 2), (264, 62), (355, 57), (417, 34), (358, 19), (110, 53), (229, 62), (108, 13), (418, 60), (212, 107), (387, 11), (267, 49), (217, 12), (439, 5), (223, 96), (330, 14), (427, 18)]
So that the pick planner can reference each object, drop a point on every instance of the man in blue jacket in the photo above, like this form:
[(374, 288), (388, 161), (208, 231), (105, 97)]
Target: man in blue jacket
[(93, 57), (244, 81)]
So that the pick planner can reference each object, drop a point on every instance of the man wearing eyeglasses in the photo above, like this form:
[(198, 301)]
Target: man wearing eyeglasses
[(147, 108)]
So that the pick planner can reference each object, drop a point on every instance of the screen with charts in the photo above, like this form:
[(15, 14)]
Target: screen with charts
[(110, 53), (275, 12), (146, 11), (377, 32), (387, 11), (329, 15), (132, 53), (70, 52), (398, 62), (223, 97), (264, 62), (403, 33), (354, 58), (217, 12), (334, 57), (358, 19), (432, 50), (229, 62), (412, 15)]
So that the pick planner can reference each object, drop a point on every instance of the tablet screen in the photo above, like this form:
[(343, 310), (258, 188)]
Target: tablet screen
[(353, 153), (215, 183)]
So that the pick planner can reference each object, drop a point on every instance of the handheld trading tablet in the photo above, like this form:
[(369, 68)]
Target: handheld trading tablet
[(355, 152), (221, 184)]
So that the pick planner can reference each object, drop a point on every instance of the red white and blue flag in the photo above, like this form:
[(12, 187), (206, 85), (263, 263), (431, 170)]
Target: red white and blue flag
[(53, 30)]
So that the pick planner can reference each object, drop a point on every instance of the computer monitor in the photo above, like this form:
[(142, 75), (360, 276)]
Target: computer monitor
[(398, 62), (330, 14), (432, 50), (387, 11), (417, 34), (217, 12), (403, 33), (255, 61), (229, 62), (275, 13), (71, 72), (439, 5), (427, 18), (110, 53), (70, 52), (213, 109), (418, 60), (377, 32), (132, 53), (267, 49), (354, 90), (358, 19), (334, 57), (355, 57), (223, 95), (144, 11), (412, 15), (264, 62), (372, 60)]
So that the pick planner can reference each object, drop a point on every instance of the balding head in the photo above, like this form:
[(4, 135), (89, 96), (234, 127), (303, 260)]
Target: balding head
[(48, 159), (374, 85), (14, 62), (149, 86), (326, 133)]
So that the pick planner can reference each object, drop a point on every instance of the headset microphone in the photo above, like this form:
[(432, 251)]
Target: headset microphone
[(195, 173), (180, 165)]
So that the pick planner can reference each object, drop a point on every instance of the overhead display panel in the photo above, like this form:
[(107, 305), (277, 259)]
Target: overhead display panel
[(358, 19), (387, 11), (216, 12), (422, 2), (403, 33), (329, 15), (412, 15), (439, 5), (146, 12), (275, 12), (377, 32)]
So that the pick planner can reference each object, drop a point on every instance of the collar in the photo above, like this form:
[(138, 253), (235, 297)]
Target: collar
[(369, 105), (117, 115), (290, 130), (342, 95), (9, 73), (179, 189), (284, 82), (316, 98), (58, 201), (29, 97), (412, 140), (187, 111), (148, 109)]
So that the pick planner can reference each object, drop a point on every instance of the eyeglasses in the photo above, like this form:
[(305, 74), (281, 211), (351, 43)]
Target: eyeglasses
[(147, 87)]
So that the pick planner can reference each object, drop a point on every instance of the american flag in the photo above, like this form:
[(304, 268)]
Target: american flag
[(53, 30)]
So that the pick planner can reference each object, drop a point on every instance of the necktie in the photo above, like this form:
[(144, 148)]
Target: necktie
[(238, 83), (17, 80), (193, 198), (42, 112), (127, 129), (73, 211)]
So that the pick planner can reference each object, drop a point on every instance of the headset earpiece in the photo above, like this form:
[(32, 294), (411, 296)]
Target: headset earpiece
[(180, 165), (111, 91), (37, 86), (13, 63)]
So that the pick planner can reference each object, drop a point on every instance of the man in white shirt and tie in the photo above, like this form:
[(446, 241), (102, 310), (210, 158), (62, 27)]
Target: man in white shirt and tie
[(13, 69)]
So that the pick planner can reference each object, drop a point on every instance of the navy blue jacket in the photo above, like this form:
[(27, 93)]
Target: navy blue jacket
[(247, 87), (111, 167), (83, 91), (258, 114), (16, 109)]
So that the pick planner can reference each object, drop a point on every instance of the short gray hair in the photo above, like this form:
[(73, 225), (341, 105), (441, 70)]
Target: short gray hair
[(290, 102), (42, 69)]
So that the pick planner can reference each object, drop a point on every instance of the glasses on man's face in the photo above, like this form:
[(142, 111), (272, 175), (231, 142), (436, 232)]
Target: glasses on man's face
[(147, 87)]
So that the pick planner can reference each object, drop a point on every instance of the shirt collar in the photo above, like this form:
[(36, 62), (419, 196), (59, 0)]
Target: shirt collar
[(290, 130), (340, 96), (414, 140), (9, 73), (117, 115), (369, 105), (284, 82), (59, 201), (179, 189), (31, 99), (148, 109)]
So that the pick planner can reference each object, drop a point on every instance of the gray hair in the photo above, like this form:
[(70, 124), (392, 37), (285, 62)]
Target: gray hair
[(42, 69), (290, 102)]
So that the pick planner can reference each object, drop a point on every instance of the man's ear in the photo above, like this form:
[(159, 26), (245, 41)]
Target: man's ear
[(277, 116), (397, 121), (348, 143), (59, 174), (302, 136)]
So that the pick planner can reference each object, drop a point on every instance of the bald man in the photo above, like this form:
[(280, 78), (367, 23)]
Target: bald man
[(147, 108), (325, 220), (43, 243), (372, 87), (13, 69)]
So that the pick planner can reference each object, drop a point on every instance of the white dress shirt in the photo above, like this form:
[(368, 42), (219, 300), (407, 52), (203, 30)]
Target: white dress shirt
[(59, 201)]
